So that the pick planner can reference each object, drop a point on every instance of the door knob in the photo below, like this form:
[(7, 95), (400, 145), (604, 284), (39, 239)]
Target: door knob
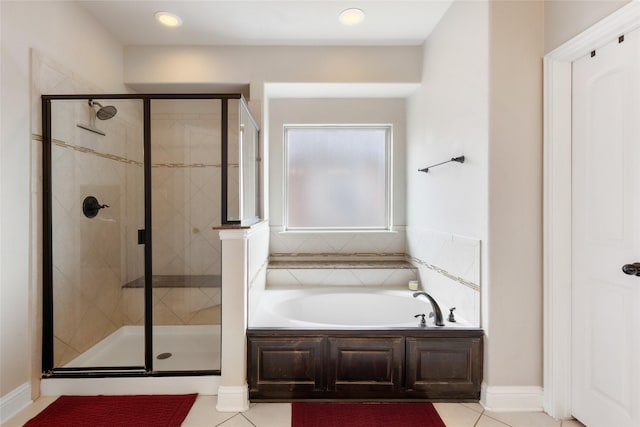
[(631, 269)]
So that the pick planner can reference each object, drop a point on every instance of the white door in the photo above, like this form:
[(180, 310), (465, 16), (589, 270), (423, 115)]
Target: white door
[(606, 235)]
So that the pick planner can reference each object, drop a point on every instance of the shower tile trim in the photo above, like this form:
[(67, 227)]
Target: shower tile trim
[(86, 150), (121, 159), (191, 165)]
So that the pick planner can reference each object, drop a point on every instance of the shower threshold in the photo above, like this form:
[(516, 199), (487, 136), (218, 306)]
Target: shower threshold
[(192, 348), (201, 384)]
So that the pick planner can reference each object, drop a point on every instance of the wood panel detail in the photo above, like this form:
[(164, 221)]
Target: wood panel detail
[(433, 364), (444, 368), (285, 367), (374, 365)]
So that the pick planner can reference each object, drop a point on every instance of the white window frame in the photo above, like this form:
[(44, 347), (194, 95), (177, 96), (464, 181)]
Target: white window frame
[(388, 177)]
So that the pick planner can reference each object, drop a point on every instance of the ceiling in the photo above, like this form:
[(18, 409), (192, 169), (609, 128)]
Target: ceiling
[(268, 22)]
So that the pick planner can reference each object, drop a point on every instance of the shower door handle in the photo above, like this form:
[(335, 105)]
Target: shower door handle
[(142, 237), (631, 269)]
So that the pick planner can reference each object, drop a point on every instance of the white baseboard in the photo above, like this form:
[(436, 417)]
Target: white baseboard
[(511, 399), (233, 398), (15, 401)]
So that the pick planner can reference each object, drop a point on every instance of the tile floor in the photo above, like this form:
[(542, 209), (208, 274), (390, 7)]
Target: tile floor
[(203, 414)]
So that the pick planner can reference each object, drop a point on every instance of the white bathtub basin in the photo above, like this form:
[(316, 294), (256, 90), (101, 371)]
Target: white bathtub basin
[(342, 308)]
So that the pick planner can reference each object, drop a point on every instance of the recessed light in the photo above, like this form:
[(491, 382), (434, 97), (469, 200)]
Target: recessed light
[(351, 16), (168, 19)]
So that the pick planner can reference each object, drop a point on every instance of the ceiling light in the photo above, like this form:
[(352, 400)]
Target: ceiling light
[(351, 16), (168, 19)]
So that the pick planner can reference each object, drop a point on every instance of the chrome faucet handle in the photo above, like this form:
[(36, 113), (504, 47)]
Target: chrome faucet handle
[(434, 306), (423, 322)]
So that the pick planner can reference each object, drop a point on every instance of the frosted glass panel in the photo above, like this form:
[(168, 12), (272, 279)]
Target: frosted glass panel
[(337, 177)]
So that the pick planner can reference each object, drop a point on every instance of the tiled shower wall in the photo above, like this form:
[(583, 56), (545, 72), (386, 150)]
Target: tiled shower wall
[(185, 175), (186, 178), (92, 257)]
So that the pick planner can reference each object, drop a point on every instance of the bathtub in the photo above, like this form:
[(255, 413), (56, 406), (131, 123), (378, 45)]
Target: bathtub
[(343, 308), (357, 343)]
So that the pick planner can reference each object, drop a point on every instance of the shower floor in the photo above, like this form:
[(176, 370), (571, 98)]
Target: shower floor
[(181, 348)]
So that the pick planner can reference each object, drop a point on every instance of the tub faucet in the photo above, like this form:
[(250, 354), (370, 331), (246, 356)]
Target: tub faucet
[(434, 306)]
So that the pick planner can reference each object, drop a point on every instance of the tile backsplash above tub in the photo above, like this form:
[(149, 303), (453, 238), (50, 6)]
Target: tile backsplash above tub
[(449, 269), (338, 258), (447, 265), (294, 274)]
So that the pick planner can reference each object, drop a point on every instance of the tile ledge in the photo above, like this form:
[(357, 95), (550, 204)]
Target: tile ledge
[(391, 231)]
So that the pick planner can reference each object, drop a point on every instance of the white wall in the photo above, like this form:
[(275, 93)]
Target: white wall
[(260, 64), (175, 67), (66, 33), (566, 19), (482, 97), (448, 117), (514, 280)]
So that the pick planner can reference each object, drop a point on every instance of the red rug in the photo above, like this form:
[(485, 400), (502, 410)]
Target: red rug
[(115, 411), (364, 415)]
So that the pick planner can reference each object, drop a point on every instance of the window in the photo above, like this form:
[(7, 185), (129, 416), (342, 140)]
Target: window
[(337, 177)]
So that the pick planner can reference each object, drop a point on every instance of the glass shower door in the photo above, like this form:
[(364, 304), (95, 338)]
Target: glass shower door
[(185, 193), (96, 208)]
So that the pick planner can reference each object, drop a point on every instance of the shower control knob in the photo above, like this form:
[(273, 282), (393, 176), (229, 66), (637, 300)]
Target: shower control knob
[(91, 206), (631, 269)]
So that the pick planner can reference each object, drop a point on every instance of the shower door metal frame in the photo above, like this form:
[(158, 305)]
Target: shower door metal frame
[(48, 369)]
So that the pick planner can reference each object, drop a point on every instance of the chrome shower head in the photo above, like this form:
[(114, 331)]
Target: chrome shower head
[(103, 113)]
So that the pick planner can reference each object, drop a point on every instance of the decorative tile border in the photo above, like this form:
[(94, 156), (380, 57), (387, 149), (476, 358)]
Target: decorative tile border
[(121, 159), (370, 264), (86, 150), (278, 258), (283, 255), (445, 273), (192, 165)]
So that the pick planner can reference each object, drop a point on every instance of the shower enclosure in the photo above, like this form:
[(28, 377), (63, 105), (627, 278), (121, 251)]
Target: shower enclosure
[(134, 190)]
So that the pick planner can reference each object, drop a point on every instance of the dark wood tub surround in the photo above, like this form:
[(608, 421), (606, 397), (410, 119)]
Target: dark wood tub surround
[(432, 364)]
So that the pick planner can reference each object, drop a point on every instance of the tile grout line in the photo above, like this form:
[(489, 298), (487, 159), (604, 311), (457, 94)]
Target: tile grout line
[(479, 418), (496, 419), (250, 422), (230, 418)]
